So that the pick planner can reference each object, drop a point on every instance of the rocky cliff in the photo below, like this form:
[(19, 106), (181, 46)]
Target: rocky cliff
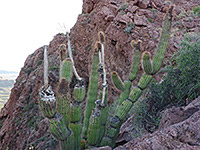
[(22, 125)]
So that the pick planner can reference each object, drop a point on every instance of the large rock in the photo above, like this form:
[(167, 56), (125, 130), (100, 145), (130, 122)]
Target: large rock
[(180, 129)]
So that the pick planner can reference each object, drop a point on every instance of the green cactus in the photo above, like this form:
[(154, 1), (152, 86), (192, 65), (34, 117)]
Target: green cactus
[(136, 59), (65, 111), (125, 104), (117, 81), (94, 127), (58, 127), (47, 102), (125, 92), (146, 62), (92, 92), (162, 45), (144, 81)]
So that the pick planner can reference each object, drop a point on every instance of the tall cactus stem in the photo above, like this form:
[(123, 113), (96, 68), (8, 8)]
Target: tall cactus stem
[(92, 92), (63, 100), (124, 94), (63, 52), (66, 70), (94, 127), (136, 59), (163, 42)]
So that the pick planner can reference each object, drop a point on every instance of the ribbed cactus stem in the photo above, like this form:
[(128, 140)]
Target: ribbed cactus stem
[(45, 67), (63, 100), (92, 92), (136, 59), (162, 45), (124, 94), (144, 81), (94, 127), (58, 128), (146, 62), (70, 55), (117, 81), (66, 70), (47, 102)]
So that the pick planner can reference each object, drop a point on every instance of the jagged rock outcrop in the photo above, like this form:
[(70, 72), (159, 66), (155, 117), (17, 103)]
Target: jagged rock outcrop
[(21, 122), (179, 129)]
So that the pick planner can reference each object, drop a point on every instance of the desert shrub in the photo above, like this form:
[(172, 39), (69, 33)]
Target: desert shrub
[(181, 80)]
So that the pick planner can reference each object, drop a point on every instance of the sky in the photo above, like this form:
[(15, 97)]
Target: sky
[(26, 25)]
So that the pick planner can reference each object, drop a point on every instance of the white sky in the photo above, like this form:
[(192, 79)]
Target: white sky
[(26, 25)]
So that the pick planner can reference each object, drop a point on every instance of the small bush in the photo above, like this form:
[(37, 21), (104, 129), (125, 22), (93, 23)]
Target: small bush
[(181, 81)]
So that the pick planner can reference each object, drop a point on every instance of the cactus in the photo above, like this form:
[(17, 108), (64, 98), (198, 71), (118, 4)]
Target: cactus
[(117, 81), (92, 92), (65, 111), (146, 62), (127, 101)]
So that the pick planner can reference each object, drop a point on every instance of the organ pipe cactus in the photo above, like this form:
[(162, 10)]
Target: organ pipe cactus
[(65, 111), (149, 67)]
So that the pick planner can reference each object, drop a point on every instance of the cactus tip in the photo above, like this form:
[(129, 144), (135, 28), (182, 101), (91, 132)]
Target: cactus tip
[(97, 46), (101, 37)]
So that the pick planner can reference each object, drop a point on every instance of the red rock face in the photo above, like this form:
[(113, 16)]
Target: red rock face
[(21, 122)]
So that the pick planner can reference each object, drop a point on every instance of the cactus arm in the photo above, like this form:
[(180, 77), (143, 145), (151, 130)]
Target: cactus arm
[(162, 45), (117, 81), (146, 62), (94, 127), (136, 59), (92, 92), (124, 107), (63, 100), (124, 94), (66, 70), (76, 113)]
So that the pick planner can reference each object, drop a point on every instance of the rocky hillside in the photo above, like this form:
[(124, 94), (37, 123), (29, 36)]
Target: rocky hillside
[(22, 125)]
